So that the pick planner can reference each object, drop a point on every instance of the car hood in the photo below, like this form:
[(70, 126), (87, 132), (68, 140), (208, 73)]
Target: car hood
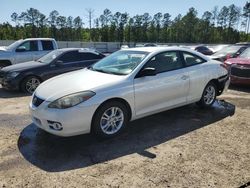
[(242, 61), (23, 66), (2, 48), (73, 82), (217, 56)]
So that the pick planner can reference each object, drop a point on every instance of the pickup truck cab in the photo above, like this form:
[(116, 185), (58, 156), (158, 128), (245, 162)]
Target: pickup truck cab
[(25, 50)]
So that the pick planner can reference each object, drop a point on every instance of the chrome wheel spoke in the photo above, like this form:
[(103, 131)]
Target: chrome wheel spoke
[(112, 120), (209, 95)]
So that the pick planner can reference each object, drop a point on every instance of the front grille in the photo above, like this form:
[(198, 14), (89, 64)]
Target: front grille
[(240, 71), (37, 101)]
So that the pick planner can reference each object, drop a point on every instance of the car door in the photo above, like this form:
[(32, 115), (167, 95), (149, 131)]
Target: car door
[(68, 61), (25, 51), (196, 70), (168, 88)]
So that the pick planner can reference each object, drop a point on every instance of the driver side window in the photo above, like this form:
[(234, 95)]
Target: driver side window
[(29, 46), (164, 62)]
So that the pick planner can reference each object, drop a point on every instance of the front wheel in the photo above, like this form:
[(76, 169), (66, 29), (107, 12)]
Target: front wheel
[(110, 119), (30, 84), (208, 96)]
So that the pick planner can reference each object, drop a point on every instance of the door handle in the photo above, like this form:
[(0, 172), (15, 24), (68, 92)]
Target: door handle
[(184, 77)]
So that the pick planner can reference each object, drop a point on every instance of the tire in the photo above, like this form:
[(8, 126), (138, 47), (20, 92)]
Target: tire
[(4, 64), (29, 84), (208, 96), (110, 119)]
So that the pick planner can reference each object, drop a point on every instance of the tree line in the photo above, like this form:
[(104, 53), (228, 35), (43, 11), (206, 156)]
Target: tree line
[(229, 24)]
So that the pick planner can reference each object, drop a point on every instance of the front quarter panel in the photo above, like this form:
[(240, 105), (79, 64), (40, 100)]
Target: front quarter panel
[(122, 90)]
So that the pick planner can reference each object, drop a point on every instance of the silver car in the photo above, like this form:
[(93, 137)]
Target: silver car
[(26, 50)]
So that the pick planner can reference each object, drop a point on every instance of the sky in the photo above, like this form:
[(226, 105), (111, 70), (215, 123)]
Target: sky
[(78, 7)]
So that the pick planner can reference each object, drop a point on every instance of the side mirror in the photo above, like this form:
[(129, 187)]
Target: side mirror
[(59, 63), (149, 71), (21, 49)]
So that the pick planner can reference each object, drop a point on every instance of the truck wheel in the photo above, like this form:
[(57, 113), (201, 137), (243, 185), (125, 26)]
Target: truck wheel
[(30, 84)]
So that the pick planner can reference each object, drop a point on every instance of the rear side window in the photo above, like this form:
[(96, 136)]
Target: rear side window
[(191, 59), (89, 56), (72, 56), (166, 61), (47, 45)]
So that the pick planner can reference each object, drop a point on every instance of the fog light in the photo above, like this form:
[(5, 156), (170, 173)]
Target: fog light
[(55, 125)]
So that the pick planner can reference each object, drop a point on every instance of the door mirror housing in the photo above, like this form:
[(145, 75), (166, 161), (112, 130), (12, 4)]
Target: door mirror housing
[(21, 49), (149, 71)]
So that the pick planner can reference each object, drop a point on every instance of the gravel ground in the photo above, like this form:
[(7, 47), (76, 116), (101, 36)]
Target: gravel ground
[(184, 147)]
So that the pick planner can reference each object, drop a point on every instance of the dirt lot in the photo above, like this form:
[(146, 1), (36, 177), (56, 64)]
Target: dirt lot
[(184, 147)]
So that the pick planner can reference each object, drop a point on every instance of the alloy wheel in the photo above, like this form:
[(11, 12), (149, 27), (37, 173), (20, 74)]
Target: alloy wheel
[(112, 120), (209, 95), (32, 84)]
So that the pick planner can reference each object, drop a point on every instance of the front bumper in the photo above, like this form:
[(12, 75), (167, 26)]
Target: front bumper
[(9, 84), (240, 80), (73, 121)]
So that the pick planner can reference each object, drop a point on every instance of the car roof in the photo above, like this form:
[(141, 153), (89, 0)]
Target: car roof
[(162, 49), (158, 49), (38, 39), (79, 49)]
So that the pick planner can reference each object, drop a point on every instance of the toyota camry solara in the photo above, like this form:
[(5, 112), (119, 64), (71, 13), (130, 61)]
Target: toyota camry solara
[(127, 85)]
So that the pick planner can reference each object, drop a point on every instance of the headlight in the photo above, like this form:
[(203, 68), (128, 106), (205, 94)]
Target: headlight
[(12, 75), (71, 100)]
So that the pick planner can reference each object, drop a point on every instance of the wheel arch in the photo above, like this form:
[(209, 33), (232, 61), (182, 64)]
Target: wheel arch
[(117, 99), (218, 85), (26, 76)]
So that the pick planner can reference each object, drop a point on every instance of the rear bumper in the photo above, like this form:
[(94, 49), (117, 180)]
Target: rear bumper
[(224, 82)]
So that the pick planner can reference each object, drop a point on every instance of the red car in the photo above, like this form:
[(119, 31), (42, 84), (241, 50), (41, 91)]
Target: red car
[(240, 68)]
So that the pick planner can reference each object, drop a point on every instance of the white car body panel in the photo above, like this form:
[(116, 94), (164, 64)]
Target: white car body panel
[(145, 96), (158, 92)]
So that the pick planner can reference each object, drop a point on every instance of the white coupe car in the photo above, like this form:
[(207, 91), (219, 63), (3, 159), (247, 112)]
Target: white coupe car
[(127, 85)]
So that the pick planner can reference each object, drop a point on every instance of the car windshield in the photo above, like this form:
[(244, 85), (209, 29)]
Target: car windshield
[(228, 50), (48, 58), (14, 45), (246, 54), (120, 63)]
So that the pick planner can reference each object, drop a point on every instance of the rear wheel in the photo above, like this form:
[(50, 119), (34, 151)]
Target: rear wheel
[(30, 84), (208, 96), (110, 119)]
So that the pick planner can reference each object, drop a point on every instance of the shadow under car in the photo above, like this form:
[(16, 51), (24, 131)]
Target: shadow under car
[(55, 154)]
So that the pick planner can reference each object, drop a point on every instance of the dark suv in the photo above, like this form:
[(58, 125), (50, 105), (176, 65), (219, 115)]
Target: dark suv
[(27, 76)]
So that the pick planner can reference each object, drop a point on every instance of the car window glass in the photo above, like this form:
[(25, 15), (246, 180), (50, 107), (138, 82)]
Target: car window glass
[(29, 46), (47, 45), (191, 59), (166, 61), (89, 56), (246, 54), (72, 56)]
